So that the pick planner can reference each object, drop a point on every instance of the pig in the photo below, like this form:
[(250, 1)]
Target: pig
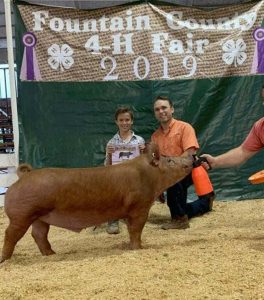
[(76, 198), (125, 154)]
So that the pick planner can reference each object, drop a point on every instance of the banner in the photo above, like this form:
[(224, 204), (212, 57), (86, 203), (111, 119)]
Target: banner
[(141, 42)]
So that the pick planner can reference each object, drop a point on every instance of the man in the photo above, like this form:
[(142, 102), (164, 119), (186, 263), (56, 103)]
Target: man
[(177, 138), (253, 143), (124, 138)]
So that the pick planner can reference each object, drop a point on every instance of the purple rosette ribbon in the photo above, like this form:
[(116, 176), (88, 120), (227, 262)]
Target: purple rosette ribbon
[(29, 69), (258, 59)]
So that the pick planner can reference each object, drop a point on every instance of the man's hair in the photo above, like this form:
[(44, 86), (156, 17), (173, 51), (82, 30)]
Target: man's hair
[(163, 98), (123, 110)]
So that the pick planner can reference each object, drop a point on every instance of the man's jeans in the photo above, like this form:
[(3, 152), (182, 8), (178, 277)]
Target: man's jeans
[(177, 200)]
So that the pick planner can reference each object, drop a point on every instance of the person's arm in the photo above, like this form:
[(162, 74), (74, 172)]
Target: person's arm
[(141, 145), (189, 141), (189, 152), (108, 154), (233, 157)]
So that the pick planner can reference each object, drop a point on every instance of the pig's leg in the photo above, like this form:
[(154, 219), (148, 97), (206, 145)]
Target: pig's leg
[(135, 225), (13, 234), (40, 232)]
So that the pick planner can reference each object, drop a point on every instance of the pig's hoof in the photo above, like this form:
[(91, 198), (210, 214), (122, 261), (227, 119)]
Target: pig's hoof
[(2, 260), (48, 252), (135, 247)]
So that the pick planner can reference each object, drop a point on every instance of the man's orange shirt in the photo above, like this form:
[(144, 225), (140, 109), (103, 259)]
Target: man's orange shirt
[(180, 137)]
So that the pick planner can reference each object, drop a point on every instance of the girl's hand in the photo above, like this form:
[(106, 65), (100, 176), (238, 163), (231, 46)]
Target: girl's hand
[(141, 147), (110, 149)]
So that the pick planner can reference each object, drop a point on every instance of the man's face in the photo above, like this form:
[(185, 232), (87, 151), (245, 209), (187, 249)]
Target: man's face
[(124, 122), (163, 111)]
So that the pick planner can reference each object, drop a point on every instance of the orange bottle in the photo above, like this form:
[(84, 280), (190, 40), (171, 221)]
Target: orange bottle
[(201, 180)]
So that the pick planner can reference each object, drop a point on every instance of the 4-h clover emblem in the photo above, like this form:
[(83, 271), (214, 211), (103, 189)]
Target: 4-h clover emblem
[(234, 52), (60, 57)]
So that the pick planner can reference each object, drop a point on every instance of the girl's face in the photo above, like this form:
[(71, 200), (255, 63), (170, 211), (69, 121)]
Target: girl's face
[(124, 122)]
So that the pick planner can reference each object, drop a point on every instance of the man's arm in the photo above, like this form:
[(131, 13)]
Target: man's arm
[(233, 157), (189, 152)]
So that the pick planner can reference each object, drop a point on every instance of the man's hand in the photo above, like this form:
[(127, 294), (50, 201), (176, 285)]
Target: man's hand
[(211, 160)]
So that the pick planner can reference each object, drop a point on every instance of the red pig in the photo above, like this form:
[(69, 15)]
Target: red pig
[(77, 198)]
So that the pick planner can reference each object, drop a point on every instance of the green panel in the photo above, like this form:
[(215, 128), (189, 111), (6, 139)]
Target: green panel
[(68, 124)]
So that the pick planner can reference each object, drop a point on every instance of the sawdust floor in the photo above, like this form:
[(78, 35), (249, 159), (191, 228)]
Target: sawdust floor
[(220, 257)]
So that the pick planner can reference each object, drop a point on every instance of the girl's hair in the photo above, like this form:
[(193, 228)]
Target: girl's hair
[(123, 110)]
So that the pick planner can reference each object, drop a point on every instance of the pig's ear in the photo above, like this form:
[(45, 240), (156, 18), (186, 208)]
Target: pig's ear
[(153, 154)]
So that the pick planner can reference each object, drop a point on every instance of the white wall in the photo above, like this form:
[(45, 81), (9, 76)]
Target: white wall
[(6, 179)]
